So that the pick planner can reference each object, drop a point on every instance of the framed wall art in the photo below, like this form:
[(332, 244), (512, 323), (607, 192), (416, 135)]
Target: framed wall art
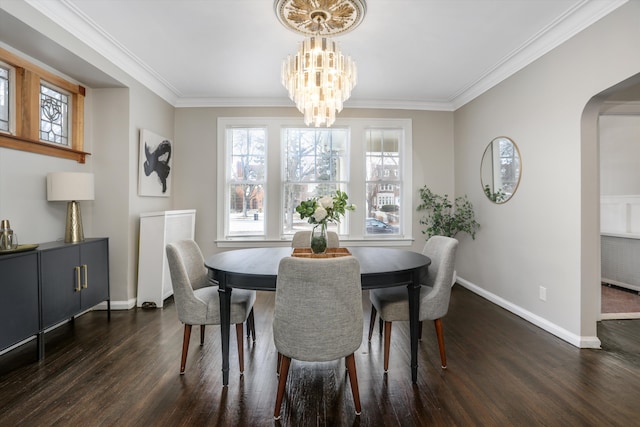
[(154, 171)]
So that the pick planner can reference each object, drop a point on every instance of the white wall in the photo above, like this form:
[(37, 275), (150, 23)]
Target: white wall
[(547, 234), (620, 155)]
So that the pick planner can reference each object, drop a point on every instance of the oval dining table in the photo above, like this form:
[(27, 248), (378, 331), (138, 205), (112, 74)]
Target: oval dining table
[(257, 269)]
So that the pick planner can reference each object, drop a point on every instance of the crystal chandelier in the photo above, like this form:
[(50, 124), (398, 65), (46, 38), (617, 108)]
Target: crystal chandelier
[(319, 78)]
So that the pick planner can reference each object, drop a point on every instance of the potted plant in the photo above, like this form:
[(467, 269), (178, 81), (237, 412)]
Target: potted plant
[(444, 218)]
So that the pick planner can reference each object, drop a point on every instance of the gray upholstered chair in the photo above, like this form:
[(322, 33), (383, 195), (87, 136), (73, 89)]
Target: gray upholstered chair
[(302, 239), (197, 303), (393, 304), (317, 316)]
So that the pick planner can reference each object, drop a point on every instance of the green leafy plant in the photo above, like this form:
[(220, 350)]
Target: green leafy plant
[(445, 218), (497, 196)]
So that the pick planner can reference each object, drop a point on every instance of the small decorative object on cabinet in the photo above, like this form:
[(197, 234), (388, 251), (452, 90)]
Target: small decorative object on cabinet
[(157, 229)]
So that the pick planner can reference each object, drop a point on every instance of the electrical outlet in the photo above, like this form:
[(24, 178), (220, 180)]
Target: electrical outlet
[(543, 293)]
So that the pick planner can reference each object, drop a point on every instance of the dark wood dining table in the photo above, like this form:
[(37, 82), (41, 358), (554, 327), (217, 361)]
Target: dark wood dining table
[(257, 268)]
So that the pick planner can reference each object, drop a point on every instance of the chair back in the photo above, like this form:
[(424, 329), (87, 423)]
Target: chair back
[(434, 298), (302, 239), (318, 308), (188, 272)]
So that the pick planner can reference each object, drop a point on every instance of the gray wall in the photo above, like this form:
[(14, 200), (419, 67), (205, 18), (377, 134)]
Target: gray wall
[(548, 233)]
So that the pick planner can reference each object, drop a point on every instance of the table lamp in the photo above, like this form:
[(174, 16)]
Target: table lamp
[(71, 187)]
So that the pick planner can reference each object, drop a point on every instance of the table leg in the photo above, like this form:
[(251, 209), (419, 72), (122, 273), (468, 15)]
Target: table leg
[(414, 320), (224, 294)]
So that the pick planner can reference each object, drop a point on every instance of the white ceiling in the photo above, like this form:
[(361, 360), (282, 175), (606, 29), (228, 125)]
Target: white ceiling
[(419, 54)]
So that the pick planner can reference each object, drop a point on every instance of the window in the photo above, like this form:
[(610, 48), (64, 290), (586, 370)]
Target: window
[(4, 98), (316, 164), (246, 179), (54, 116), (40, 112), (267, 166), (383, 185)]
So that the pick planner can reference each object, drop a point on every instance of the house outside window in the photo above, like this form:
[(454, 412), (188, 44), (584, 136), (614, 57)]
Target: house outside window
[(267, 166), (384, 180)]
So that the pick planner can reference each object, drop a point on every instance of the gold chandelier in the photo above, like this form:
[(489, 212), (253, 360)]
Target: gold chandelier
[(319, 78)]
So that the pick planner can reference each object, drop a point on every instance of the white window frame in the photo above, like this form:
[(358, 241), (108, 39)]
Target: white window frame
[(273, 209)]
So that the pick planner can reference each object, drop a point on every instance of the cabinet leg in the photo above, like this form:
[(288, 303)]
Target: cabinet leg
[(40, 345)]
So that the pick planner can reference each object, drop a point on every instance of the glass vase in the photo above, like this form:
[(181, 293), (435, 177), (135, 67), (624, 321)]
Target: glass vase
[(319, 239)]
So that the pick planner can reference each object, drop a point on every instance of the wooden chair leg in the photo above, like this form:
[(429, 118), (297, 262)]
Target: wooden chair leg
[(240, 347), (185, 347), (201, 335), (387, 344), (372, 323), (278, 364), (353, 378), (284, 372), (251, 326), (440, 335)]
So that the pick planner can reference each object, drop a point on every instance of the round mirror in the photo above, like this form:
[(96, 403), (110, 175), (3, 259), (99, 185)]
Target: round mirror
[(500, 169)]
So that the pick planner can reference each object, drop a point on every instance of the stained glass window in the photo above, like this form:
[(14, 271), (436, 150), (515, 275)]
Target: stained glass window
[(54, 116)]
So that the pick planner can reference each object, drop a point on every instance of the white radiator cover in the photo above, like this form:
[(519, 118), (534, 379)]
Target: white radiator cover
[(157, 229)]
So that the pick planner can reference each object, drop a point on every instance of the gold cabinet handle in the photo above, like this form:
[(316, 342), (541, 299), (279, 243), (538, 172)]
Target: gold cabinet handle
[(77, 287), (85, 285)]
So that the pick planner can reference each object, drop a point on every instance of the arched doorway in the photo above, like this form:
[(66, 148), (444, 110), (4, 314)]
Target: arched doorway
[(624, 96)]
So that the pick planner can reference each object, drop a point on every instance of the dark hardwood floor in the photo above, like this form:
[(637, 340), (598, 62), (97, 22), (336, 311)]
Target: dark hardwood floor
[(503, 371)]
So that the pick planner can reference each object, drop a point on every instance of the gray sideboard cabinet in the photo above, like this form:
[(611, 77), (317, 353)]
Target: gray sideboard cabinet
[(49, 285), (19, 306), (74, 277)]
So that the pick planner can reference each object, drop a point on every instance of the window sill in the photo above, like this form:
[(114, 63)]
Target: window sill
[(23, 144), (264, 243)]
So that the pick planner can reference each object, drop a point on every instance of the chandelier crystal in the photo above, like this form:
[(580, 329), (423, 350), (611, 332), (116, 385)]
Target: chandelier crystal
[(319, 79)]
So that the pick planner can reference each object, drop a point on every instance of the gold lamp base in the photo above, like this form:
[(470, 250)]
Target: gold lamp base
[(73, 232)]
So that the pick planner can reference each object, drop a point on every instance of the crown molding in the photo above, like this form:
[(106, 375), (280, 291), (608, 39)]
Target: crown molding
[(77, 23), (562, 29), (81, 26), (286, 102)]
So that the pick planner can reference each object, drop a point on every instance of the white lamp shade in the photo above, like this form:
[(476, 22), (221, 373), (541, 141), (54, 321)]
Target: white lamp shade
[(68, 186)]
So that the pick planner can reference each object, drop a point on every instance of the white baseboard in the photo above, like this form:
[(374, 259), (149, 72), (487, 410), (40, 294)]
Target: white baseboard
[(552, 328), (117, 305)]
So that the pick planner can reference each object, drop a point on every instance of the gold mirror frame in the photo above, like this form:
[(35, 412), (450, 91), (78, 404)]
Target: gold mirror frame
[(500, 170)]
